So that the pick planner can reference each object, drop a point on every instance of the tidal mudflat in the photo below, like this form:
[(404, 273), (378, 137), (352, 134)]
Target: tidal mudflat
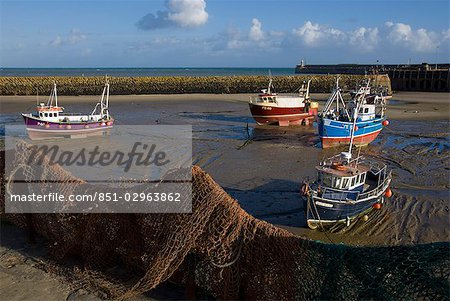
[(262, 167)]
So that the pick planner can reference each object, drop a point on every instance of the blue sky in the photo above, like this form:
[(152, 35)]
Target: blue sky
[(221, 33)]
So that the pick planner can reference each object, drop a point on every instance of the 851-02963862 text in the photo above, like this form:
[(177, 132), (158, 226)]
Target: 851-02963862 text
[(100, 197)]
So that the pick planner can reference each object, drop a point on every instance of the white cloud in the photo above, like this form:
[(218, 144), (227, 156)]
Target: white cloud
[(188, 13), (317, 35), (446, 34), (256, 33), (256, 38), (365, 39), (181, 13), (74, 37), (419, 40)]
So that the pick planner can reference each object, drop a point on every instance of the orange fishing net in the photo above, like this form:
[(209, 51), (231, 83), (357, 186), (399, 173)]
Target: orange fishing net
[(227, 253)]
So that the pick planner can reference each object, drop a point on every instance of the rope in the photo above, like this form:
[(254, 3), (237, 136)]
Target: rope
[(318, 216), (221, 266)]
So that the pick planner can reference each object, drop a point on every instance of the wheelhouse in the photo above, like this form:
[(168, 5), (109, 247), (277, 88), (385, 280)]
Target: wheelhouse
[(342, 177), (367, 112), (266, 98)]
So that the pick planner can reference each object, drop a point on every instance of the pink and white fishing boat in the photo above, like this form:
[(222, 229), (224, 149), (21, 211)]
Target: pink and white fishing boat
[(272, 108), (50, 121)]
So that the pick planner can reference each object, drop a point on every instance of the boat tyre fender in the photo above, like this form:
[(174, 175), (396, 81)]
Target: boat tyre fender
[(312, 225)]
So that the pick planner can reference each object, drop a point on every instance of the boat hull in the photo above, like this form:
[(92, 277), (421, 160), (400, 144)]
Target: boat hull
[(39, 129), (334, 133), (328, 211), (284, 116)]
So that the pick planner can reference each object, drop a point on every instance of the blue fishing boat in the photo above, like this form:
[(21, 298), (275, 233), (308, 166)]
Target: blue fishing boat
[(335, 122), (346, 187)]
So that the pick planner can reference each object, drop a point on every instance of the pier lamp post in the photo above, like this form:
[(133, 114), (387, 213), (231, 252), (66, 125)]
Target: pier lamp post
[(437, 56)]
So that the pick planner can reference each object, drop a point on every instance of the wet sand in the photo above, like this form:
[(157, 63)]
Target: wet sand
[(263, 166)]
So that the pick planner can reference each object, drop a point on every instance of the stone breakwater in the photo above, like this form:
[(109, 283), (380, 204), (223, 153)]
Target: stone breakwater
[(177, 85)]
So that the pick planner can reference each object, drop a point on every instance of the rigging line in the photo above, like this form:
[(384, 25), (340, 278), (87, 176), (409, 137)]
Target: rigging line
[(320, 221), (221, 266)]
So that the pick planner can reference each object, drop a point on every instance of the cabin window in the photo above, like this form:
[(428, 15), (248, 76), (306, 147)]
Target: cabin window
[(40, 114), (366, 110), (46, 114), (344, 183), (265, 98), (336, 182), (360, 111), (353, 181)]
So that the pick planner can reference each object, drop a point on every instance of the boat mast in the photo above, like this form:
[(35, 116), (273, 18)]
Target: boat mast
[(107, 99), (352, 130), (331, 99), (359, 100), (53, 95), (56, 94)]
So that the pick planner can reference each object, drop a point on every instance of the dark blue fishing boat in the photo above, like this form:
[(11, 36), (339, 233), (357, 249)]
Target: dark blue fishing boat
[(335, 122), (345, 187)]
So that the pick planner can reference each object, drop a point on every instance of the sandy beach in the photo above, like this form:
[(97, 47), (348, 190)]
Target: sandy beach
[(262, 166)]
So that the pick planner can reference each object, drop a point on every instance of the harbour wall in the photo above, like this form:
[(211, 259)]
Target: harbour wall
[(179, 85), (417, 77), (420, 80)]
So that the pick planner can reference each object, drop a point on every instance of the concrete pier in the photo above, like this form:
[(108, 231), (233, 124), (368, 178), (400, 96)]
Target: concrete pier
[(418, 77)]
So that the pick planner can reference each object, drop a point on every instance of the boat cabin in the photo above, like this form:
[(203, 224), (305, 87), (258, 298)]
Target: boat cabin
[(267, 97), (367, 112), (342, 177)]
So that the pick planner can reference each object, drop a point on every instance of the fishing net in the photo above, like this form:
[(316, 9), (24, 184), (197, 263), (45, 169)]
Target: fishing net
[(223, 251)]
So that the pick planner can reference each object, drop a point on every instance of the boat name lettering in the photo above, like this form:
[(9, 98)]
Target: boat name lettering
[(324, 204)]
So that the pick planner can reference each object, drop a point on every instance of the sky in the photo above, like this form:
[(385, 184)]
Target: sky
[(221, 33)]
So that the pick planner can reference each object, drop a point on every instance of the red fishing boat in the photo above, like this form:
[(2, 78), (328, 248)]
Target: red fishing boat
[(272, 108)]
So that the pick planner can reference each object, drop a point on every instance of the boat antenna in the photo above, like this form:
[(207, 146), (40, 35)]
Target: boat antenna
[(270, 82)]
